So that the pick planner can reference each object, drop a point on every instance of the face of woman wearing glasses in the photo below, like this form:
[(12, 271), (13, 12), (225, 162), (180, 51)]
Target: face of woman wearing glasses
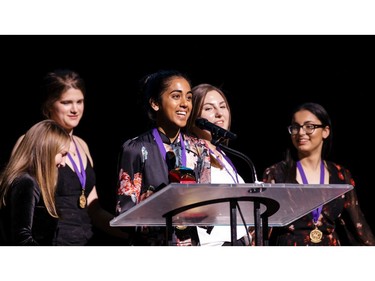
[(308, 143)]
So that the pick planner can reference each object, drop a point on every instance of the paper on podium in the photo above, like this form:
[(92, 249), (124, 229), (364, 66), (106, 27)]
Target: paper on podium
[(282, 203)]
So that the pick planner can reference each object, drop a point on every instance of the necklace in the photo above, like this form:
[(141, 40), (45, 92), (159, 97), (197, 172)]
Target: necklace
[(315, 234), (72, 147), (81, 176)]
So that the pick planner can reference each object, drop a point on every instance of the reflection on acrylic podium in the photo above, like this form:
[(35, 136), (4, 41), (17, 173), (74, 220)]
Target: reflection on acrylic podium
[(260, 205)]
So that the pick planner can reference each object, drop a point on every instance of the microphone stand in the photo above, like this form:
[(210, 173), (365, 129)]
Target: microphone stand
[(233, 205), (217, 142)]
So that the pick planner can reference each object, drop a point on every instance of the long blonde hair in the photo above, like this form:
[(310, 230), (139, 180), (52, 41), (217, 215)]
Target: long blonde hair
[(36, 155)]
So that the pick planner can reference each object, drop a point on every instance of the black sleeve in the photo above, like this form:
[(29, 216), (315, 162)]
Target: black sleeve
[(23, 198)]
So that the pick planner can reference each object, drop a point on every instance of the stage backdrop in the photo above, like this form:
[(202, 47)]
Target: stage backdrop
[(264, 77)]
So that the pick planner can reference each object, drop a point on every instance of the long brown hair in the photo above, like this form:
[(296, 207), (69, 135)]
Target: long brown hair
[(199, 94)]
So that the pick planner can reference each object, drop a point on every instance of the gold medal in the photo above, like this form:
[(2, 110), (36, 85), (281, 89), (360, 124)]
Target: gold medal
[(181, 227), (82, 200), (316, 235)]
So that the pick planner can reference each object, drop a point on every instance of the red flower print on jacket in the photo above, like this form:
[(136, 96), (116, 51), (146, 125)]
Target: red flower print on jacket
[(130, 187)]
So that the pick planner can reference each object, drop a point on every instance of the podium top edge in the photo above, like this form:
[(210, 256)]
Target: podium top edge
[(261, 185)]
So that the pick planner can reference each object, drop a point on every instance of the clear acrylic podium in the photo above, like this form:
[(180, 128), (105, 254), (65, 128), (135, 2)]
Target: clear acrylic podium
[(260, 205)]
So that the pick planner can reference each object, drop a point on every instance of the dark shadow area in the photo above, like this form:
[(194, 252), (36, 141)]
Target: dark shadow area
[(264, 78)]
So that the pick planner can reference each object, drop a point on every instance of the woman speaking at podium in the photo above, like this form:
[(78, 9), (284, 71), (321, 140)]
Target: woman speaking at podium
[(339, 222), (151, 161)]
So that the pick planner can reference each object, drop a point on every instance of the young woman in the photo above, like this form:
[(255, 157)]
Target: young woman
[(28, 184), (77, 201), (339, 222), (145, 162), (210, 102)]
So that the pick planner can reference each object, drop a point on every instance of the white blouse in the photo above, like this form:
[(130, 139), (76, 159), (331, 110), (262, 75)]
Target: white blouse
[(221, 234)]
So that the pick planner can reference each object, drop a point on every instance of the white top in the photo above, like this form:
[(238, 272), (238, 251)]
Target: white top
[(221, 234)]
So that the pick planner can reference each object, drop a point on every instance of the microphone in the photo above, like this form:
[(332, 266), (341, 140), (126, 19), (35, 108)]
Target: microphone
[(215, 130)]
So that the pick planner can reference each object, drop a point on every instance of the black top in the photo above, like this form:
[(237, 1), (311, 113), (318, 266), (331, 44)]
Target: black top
[(74, 226), (25, 220), (142, 167)]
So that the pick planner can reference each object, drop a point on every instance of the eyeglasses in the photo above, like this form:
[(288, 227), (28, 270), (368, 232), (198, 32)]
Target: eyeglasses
[(308, 128)]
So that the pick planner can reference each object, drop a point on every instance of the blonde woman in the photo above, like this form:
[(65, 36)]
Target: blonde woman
[(28, 185), (77, 200)]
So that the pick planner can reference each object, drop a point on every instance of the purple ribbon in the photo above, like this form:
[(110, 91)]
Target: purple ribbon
[(316, 213), (81, 175), (161, 146), (230, 163)]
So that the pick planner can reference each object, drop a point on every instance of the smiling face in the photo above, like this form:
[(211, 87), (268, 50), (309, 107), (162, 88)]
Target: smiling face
[(174, 107), (68, 110), (216, 111), (308, 144)]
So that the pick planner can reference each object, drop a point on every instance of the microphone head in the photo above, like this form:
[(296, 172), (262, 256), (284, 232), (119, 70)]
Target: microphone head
[(216, 131), (200, 123)]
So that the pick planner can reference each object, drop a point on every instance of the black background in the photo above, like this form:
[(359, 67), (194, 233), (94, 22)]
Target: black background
[(264, 77)]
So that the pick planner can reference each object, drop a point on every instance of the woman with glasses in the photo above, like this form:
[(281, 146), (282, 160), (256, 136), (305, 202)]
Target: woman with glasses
[(339, 222)]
